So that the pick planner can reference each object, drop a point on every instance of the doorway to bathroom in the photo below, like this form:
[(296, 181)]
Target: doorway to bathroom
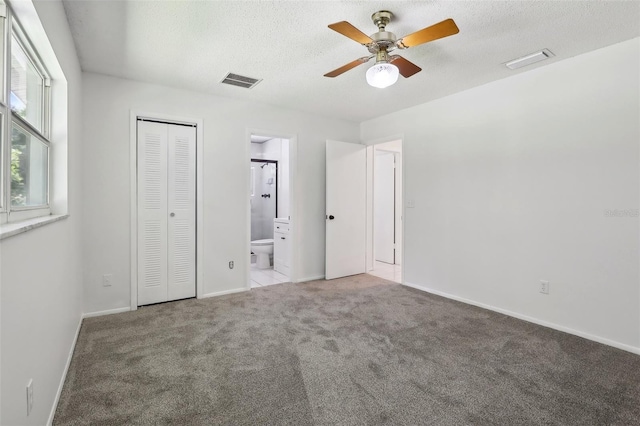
[(384, 210), (270, 215)]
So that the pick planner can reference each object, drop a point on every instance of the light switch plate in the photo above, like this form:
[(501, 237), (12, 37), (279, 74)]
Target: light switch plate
[(544, 287)]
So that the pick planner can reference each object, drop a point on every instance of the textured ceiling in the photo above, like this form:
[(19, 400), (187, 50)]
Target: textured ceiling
[(193, 44)]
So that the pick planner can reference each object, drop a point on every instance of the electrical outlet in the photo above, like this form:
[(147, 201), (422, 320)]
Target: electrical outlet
[(106, 280), (29, 396), (544, 287), (231, 264), (411, 204)]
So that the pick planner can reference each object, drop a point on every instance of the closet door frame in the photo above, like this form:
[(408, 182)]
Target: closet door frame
[(133, 173)]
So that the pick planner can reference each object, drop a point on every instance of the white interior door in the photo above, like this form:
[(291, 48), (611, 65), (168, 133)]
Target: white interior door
[(346, 209), (384, 207), (166, 212)]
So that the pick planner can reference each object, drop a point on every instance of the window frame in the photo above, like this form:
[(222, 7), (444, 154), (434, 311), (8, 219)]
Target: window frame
[(5, 162), (11, 28)]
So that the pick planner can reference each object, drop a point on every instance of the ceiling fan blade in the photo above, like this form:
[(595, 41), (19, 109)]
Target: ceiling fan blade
[(434, 32), (347, 67), (348, 30), (406, 68)]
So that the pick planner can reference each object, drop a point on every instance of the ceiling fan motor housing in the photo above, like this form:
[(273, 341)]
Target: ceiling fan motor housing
[(381, 18), (382, 40)]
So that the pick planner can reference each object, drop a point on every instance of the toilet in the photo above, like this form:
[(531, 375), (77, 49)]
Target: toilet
[(263, 249)]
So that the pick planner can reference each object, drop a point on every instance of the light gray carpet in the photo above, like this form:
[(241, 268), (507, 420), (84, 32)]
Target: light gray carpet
[(354, 351)]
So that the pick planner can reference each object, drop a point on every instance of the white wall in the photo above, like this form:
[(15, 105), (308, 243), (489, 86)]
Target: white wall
[(40, 271), (284, 181), (107, 105), (278, 149), (511, 181), (272, 149)]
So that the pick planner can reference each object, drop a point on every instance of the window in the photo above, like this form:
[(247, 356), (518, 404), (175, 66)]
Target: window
[(29, 168), (24, 125), (27, 86)]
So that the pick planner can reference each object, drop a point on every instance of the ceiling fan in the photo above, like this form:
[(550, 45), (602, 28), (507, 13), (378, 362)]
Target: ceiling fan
[(387, 67)]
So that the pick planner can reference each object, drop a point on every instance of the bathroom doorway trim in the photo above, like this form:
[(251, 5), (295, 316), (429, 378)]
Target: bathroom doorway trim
[(293, 199), (133, 189)]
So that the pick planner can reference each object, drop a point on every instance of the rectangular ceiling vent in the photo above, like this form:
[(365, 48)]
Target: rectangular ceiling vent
[(240, 80), (529, 59)]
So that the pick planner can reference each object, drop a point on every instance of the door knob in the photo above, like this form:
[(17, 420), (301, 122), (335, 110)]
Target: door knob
[(331, 217), (172, 214)]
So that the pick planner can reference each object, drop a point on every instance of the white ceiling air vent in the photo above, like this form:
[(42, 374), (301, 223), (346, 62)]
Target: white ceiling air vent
[(240, 80), (529, 59)]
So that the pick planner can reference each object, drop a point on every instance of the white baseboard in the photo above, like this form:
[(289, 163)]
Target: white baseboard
[(222, 293), (64, 375), (543, 323), (107, 312), (307, 279)]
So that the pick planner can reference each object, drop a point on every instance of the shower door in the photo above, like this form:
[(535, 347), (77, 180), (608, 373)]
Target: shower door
[(264, 198)]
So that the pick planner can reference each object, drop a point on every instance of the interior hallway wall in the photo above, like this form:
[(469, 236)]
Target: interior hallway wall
[(107, 105), (533, 177), (40, 270)]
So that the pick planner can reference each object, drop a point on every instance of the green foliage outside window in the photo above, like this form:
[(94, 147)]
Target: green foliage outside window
[(18, 190)]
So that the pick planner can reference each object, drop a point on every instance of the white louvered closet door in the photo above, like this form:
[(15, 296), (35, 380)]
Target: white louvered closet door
[(182, 212), (166, 212)]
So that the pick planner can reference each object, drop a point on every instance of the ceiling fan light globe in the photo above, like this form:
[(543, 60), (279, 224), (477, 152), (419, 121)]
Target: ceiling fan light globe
[(382, 75)]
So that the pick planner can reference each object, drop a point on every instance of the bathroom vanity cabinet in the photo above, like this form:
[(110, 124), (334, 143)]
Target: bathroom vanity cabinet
[(281, 246)]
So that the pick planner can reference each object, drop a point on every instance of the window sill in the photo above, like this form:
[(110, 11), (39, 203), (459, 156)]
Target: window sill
[(10, 229)]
